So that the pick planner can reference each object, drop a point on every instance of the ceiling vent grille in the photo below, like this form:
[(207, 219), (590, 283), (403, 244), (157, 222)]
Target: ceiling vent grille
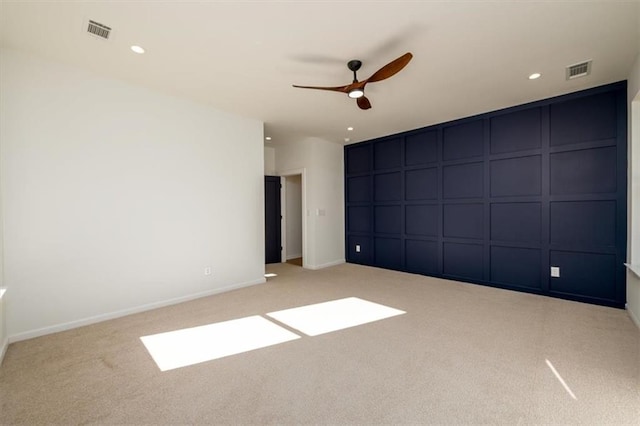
[(579, 70), (99, 30)]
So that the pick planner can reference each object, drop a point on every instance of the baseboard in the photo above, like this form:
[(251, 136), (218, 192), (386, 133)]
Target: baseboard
[(117, 314), (325, 265), (3, 349), (4, 345), (293, 256), (633, 317)]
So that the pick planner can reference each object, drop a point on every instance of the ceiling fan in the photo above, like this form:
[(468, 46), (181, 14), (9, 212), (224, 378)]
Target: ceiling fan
[(355, 90)]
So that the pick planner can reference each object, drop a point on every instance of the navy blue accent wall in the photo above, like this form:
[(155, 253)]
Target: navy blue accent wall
[(499, 198)]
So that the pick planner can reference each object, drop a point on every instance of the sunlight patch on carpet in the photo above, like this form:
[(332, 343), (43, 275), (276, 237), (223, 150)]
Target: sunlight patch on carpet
[(190, 346), (561, 380), (326, 317)]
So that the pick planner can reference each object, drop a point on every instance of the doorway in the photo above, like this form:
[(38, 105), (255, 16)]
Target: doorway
[(294, 220)]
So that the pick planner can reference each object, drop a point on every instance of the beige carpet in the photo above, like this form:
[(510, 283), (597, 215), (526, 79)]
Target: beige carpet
[(462, 354)]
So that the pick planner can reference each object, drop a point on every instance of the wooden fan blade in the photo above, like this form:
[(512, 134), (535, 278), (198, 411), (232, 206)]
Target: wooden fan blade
[(343, 89), (391, 68), (364, 103)]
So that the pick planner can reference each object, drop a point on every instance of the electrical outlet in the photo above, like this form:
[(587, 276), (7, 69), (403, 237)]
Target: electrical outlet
[(207, 270), (555, 271), (357, 248)]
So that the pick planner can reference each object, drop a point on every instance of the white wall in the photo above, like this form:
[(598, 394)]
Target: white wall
[(324, 192), (116, 197), (633, 281), (293, 209), (269, 160), (4, 338)]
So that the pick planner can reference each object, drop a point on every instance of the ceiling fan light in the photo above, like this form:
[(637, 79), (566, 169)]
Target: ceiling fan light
[(356, 93)]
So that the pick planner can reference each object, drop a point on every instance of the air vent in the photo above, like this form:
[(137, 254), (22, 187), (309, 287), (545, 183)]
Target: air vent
[(99, 30), (578, 70)]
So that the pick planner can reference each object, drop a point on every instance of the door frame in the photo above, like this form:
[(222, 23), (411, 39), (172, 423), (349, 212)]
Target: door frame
[(283, 208)]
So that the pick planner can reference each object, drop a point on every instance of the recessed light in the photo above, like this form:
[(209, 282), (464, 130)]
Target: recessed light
[(347, 139), (137, 49), (349, 128), (268, 138), (534, 76)]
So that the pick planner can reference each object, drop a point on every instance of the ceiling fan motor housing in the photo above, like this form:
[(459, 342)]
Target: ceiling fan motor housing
[(354, 65)]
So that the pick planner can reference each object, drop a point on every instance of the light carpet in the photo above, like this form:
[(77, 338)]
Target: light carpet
[(462, 354)]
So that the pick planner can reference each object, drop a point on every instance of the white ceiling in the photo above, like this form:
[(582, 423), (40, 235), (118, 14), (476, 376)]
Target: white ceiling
[(242, 57)]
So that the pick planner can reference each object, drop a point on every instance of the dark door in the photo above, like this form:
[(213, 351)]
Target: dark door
[(272, 218)]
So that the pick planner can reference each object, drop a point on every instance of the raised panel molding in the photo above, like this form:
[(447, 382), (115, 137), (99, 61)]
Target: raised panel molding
[(386, 154), (584, 274), (463, 261), (584, 119), (387, 187), (516, 131), (358, 159), (515, 266), (359, 189), (360, 249), (463, 181), (359, 218), (516, 176), (422, 257), (388, 253), (421, 184), (498, 198), (516, 222), (421, 148), (463, 221), (387, 219), (463, 140), (583, 223), (586, 171), (422, 220)]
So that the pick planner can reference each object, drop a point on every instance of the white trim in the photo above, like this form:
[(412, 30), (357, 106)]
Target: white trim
[(5, 344), (635, 319), (294, 256), (283, 219), (633, 268), (325, 265), (3, 349), (303, 173), (117, 314)]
